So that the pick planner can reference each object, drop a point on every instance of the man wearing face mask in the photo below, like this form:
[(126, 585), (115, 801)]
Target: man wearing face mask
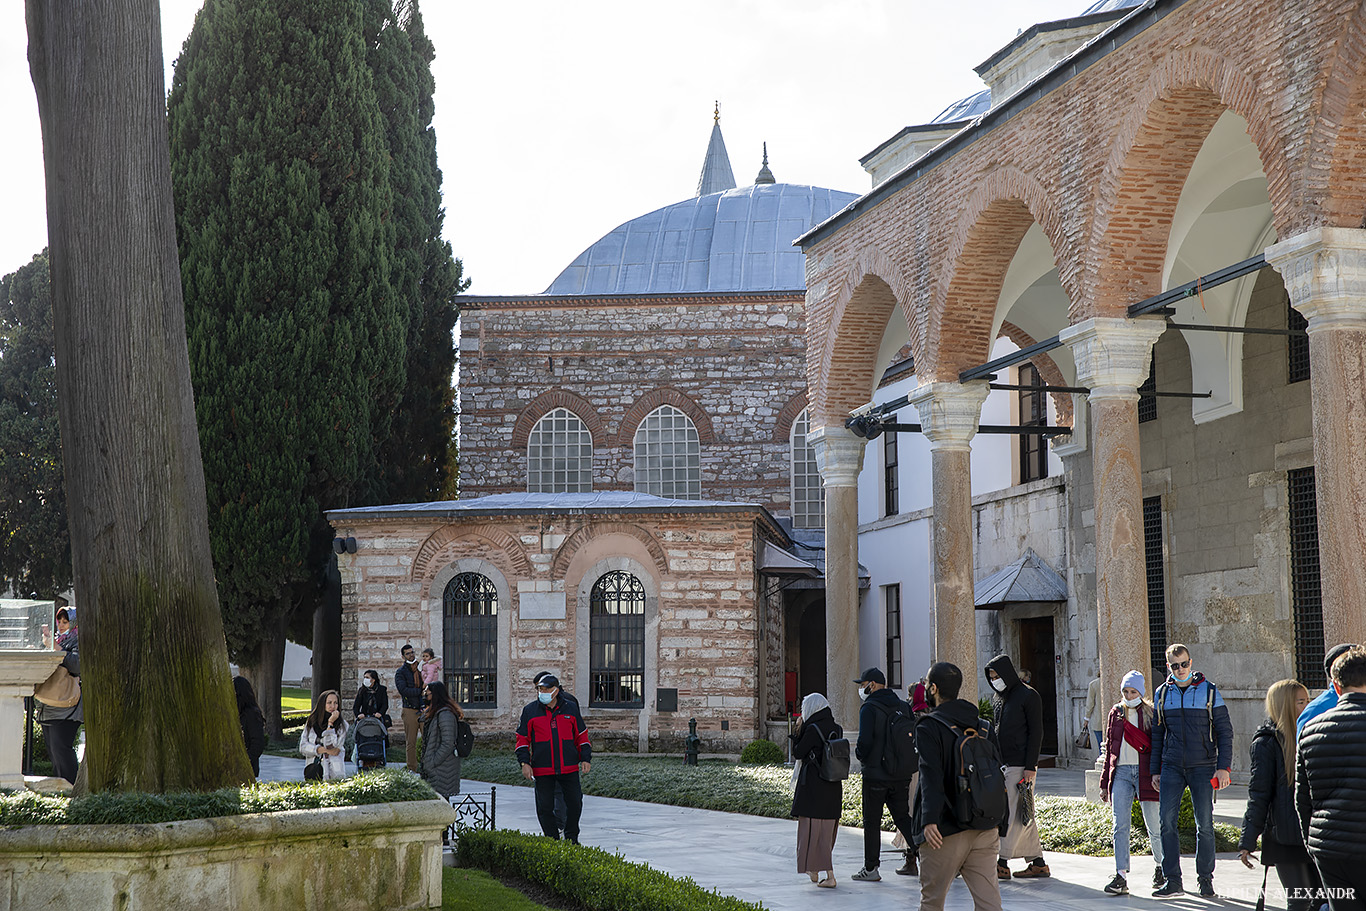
[(552, 747), (1019, 727), (880, 789), (408, 679)]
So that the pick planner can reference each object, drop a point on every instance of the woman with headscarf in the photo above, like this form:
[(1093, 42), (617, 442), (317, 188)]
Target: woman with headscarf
[(815, 802), (253, 722)]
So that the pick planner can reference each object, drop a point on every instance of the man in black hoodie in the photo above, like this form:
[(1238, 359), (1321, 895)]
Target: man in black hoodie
[(947, 849), (878, 790), (1019, 725)]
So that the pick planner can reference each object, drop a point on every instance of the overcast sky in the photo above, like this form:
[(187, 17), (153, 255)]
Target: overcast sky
[(558, 121)]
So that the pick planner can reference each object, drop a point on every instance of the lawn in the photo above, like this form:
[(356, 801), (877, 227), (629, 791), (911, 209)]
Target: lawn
[(465, 889), (296, 699)]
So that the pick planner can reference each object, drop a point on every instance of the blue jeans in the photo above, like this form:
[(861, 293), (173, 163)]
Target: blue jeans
[(1097, 735), (1174, 781), (1123, 792)]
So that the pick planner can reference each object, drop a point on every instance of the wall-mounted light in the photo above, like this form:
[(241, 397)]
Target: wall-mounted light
[(344, 545)]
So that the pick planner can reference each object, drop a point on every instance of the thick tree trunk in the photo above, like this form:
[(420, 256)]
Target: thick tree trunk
[(159, 705), (327, 634), (264, 671)]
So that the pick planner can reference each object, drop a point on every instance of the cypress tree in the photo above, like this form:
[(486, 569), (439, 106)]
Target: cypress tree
[(297, 340)]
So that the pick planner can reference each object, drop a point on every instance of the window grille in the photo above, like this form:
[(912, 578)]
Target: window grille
[(559, 454), (889, 474), (1033, 412), (1306, 599), (1147, 402), (668, 455), (1296, 346), (893, 598), (1157, 585), (808, 493), (471, 631), (616, 617)]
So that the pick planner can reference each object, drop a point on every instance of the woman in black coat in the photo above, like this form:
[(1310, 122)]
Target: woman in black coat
[(1271, 797), (815, 802), (253, 722), (372, 699)]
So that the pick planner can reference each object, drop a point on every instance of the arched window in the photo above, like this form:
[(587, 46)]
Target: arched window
[(668, 455), (616, 636), (808, 493), (471, 654), (559, 454)]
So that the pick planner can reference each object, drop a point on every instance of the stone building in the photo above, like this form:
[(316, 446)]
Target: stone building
[(640, 510)]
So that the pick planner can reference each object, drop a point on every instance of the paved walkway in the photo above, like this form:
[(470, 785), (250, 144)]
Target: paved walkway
[(754, 858)]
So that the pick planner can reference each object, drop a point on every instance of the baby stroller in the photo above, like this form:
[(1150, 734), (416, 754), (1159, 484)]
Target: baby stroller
[(372, 740)]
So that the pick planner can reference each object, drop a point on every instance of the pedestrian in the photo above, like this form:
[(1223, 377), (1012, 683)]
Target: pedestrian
[(61, 724), (1094, 722), (552, 747), (66, 628), (1124, 778), (886, 776), (1192, 748), (917, 699), (1271, 799), (1019, 728), (571, 704), (815, 802), (1330, 786), (408, 680), (431, 666), (440, 728), (252, 721), (1329, 697), (902, 842), (947, 847), (372, 700), (324, 735)]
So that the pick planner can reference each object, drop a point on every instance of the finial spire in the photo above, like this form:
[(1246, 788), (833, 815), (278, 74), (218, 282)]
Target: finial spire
[(765, 175), (716, 114), (716, 173)]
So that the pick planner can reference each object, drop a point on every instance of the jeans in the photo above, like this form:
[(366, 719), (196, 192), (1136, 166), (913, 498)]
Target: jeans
[(572, 789), (1097, 735), (1123, 792), (1174, 781)]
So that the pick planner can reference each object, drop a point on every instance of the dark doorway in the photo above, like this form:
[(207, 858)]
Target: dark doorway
[(1037, 655), (811, 673)]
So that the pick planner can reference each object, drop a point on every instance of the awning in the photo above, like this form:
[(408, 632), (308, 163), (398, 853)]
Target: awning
[(1028, 579), (775, 561)]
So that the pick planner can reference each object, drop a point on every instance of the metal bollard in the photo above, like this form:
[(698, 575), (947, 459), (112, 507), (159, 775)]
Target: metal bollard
[(692, 744)]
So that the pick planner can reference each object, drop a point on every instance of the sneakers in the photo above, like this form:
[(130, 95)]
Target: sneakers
[(1172, 889), (868, 876), (909, 868), (1118, 886), (1002, 870), (1159, 878), (1206, 888), (1035, 870)]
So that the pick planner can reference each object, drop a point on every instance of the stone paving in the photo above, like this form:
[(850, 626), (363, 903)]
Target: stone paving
[(754, 858)]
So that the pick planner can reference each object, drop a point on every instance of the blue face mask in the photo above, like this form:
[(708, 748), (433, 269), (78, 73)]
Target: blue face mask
[(545, 698)]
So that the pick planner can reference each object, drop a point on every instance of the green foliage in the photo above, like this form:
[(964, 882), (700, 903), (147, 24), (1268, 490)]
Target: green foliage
[(35, 548), (465, 889), (985, 710), (136, 807), (762, 752), (589, 877)]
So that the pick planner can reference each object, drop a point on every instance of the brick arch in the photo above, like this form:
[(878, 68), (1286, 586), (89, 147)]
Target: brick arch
[(843, 379), (665, 395), (427, 561), (1048, 370), (782, 427), (1006, 204), (565, 554), (547, 402), (1156, 144), (1336, 162)]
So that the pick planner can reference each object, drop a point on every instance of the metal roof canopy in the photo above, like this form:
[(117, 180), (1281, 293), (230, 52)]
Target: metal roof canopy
[(1028, 579)]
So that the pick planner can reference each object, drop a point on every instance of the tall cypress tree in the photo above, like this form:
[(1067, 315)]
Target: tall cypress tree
[(297, 339)]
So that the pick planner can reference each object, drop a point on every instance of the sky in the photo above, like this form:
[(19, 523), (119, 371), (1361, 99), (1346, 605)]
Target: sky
[(556, 121)]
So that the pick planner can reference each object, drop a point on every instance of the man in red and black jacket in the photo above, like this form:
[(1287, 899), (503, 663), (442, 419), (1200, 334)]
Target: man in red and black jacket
[(552, 745)]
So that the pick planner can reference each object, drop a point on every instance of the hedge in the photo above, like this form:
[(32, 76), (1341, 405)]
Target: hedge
[(762, 752), (24, 808), (590, 877)]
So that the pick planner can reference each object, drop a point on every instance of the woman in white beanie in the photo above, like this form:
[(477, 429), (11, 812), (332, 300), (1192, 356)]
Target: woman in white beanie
[(1124, 777)]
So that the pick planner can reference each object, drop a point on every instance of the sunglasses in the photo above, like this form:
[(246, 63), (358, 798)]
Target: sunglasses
[(1180, 667)]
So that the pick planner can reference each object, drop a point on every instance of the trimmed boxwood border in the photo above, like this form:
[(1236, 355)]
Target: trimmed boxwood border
[(590, 877)]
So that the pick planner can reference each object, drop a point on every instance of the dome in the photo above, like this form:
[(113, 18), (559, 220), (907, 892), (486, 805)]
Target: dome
[(736, 240), (1109, 6), (965, 108)]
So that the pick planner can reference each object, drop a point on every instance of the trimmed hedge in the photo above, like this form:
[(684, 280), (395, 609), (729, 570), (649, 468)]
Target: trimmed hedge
[(591, 877), (762, 752), (24, 808)]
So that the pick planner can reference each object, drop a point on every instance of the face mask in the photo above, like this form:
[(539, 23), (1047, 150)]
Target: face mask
[(863, 693), (370, 681), (1133, 703), (545, 698), (998, 685)]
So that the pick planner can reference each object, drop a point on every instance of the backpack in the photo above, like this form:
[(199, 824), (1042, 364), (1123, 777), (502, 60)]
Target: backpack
[(899, 761), (1160, 696), (464, 738), (980, 801), (832, 763)]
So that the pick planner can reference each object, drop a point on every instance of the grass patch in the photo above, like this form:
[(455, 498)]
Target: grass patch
[(296, 699), (1068, 824), (464, 889), (24, 808)]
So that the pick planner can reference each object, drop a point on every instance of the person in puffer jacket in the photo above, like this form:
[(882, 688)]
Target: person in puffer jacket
[(1330, 786), (1019, 727), (552, 746), (1271, 800), (1192, 744)]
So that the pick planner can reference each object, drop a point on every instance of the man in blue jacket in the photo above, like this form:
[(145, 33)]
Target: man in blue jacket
[(1192, 746), (1329, 697)]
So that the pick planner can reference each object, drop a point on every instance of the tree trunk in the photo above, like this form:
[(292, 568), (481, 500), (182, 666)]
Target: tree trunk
[(159, 705), (264, 671), (327, 633)]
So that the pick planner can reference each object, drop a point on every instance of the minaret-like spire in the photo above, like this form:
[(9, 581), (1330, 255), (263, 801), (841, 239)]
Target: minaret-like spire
[(716, 173), (765, 175)]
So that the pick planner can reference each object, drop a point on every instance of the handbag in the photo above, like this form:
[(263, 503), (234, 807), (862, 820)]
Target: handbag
[(314, 770), (464, 738), (1083, 741), (60, 690)]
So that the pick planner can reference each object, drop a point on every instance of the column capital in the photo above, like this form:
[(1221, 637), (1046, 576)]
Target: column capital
[(1324, 271), (949, 412), (1112, 355), (839, 455)]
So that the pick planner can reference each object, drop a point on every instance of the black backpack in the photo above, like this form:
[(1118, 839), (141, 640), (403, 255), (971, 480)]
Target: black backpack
[(832, 762), (980, 801), (464, 738), (899, 761)]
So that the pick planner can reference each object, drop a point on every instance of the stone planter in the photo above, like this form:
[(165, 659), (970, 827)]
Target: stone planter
[(381, 857)]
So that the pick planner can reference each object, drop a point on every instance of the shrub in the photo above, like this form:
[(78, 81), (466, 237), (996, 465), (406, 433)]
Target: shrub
[(762, 752), (984, 708), (590, 877)]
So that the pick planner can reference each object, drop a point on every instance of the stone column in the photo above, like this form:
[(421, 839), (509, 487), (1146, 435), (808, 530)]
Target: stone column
[(839, 458), (1113, 356), (949, 413), (1325, 274)]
